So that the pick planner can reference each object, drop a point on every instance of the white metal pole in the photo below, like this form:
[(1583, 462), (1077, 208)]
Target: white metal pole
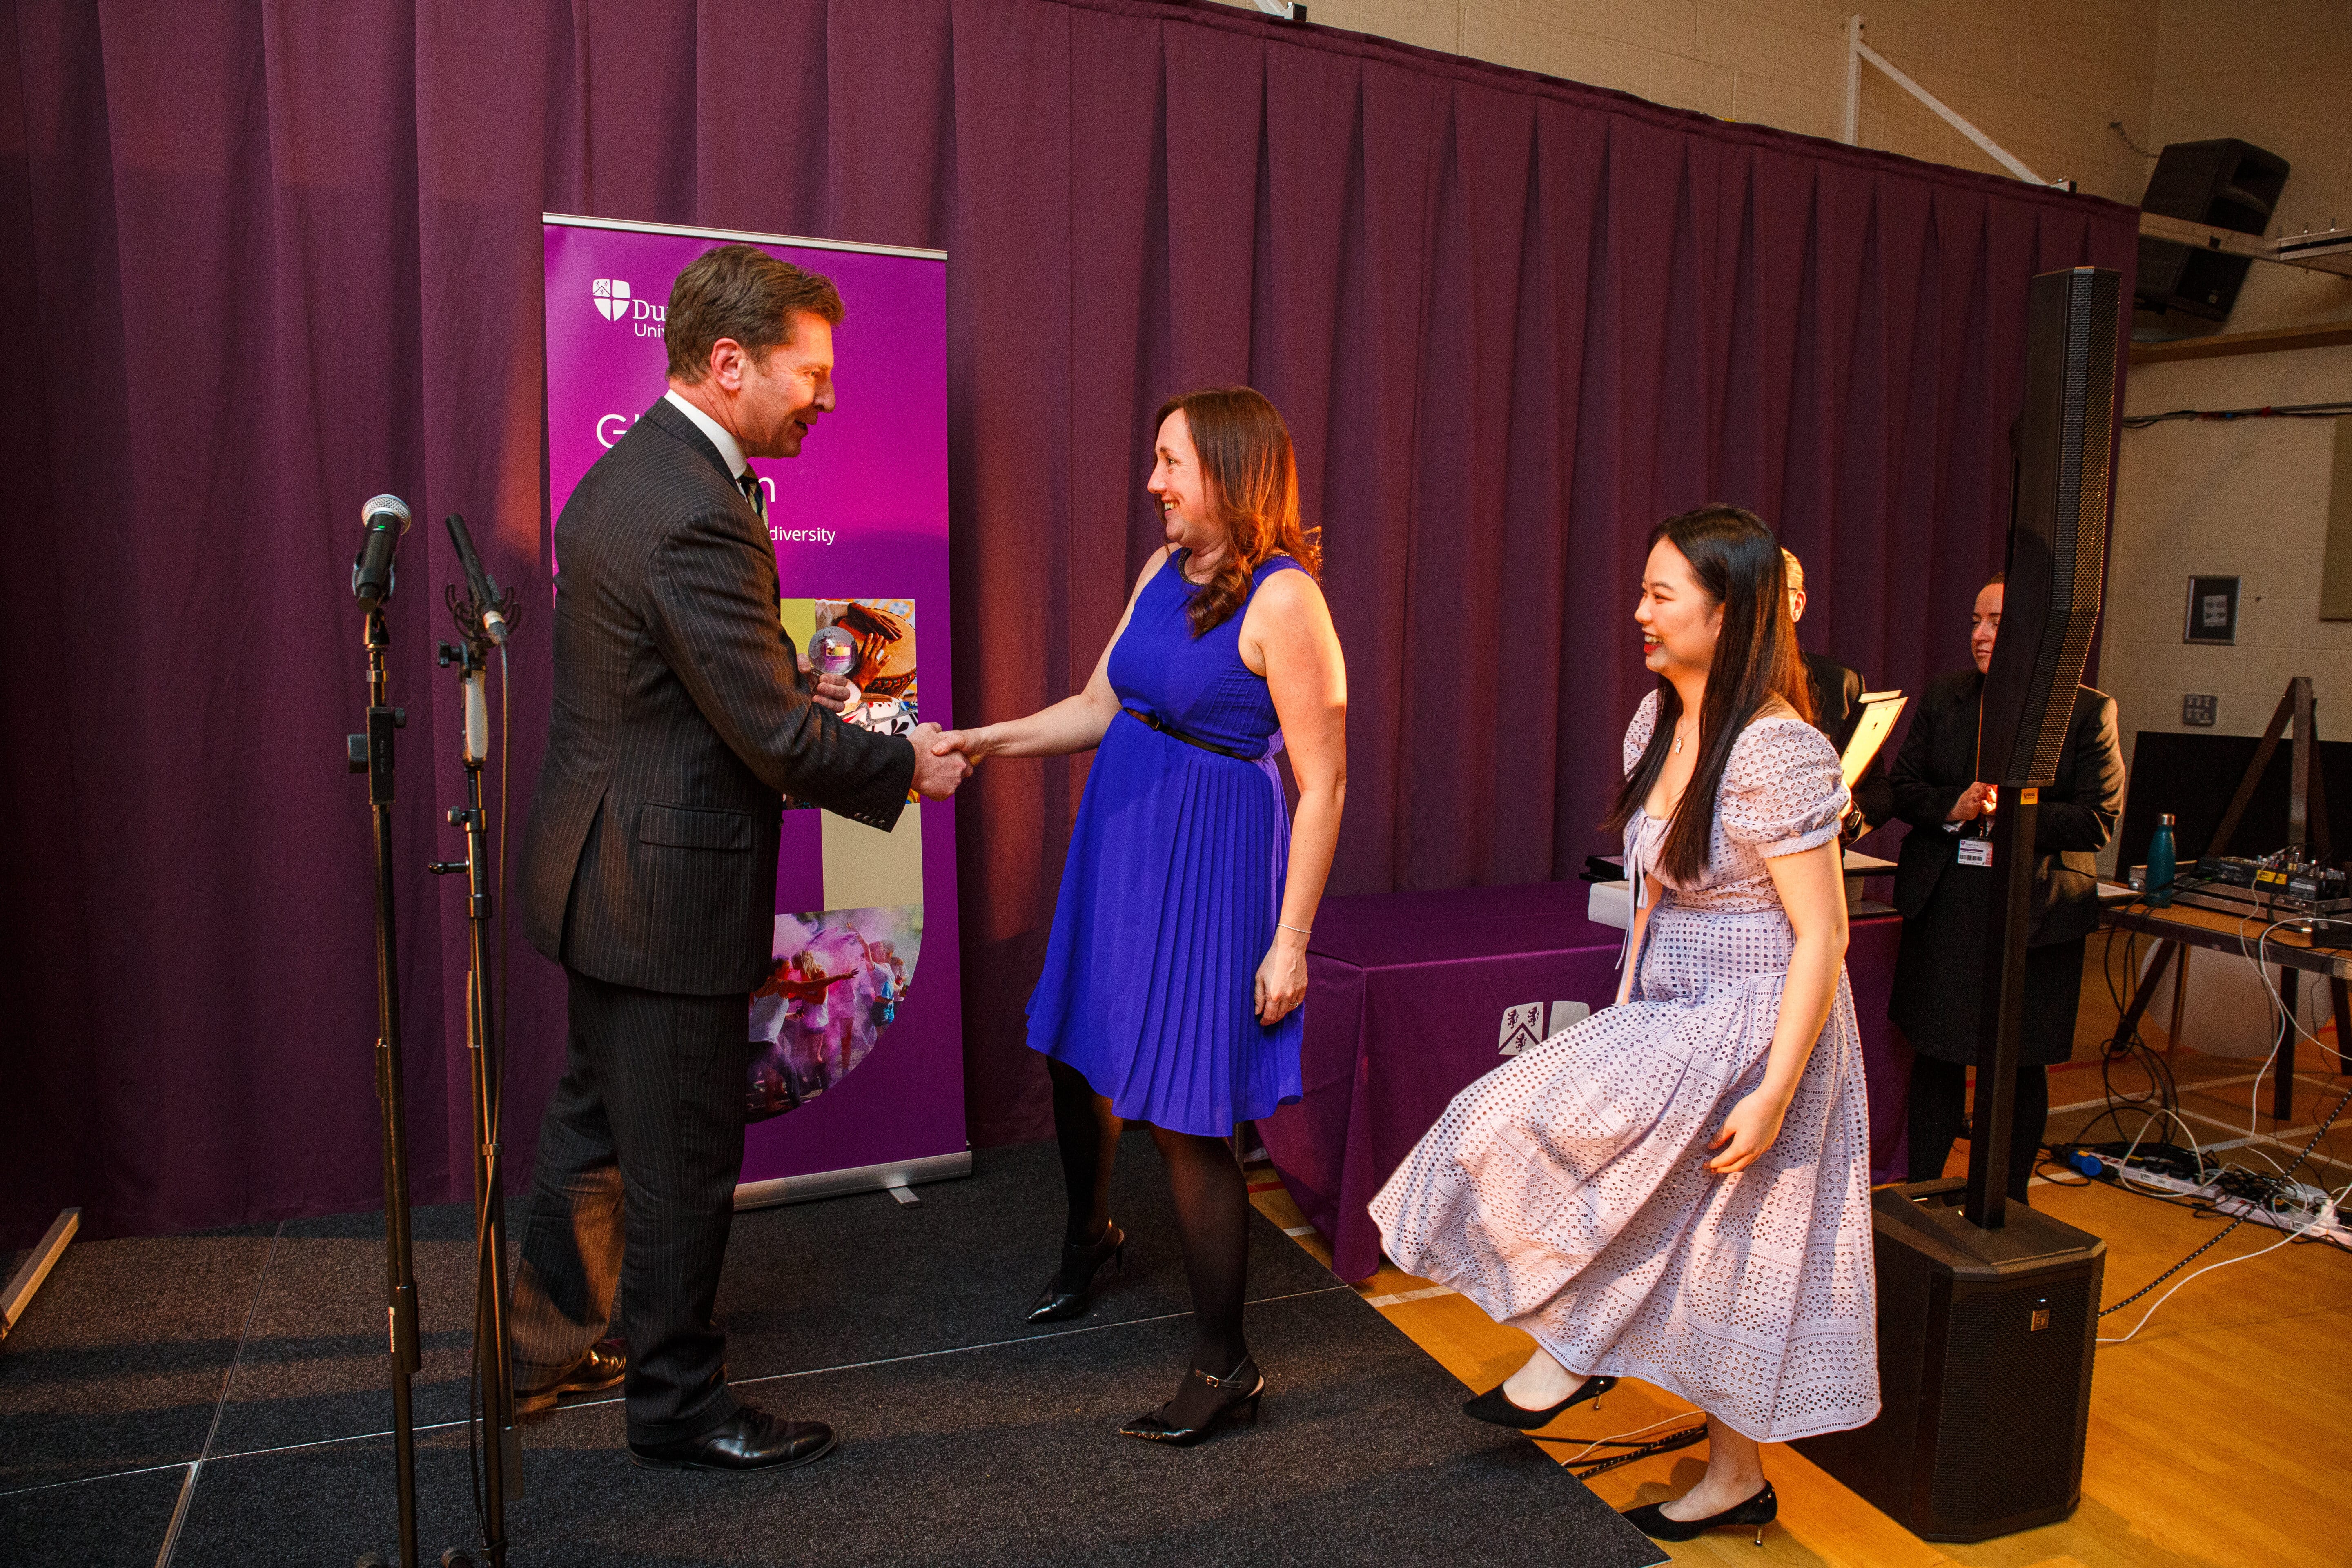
[(1851, 131), (1992, 148)]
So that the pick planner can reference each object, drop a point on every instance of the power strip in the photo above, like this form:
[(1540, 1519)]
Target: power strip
[(2237, 1208)]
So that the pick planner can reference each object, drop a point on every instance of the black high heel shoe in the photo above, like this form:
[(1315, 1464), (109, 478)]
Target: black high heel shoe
[(1165, 1425), (1498, 1408), (1754, 1514), (1079, 1264)]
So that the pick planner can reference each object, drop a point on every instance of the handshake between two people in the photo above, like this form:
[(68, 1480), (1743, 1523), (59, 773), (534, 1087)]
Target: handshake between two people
[(943, 758)]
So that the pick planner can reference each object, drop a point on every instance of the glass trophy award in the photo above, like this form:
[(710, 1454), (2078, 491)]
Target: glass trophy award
[(833, 651)]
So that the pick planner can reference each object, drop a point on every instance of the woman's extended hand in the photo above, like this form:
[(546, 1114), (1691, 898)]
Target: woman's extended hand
[(1282, 978), (973, 745), (1750, 1131)]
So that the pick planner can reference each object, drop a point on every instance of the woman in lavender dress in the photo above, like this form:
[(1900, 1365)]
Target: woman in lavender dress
[(1177, 956), (1677, 1188)]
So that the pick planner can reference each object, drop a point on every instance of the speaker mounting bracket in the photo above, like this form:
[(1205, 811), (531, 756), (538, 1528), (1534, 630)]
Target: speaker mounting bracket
[(1857, 51)]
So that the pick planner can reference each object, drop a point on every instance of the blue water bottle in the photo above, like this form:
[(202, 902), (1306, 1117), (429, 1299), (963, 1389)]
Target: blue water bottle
[(2161, 868)]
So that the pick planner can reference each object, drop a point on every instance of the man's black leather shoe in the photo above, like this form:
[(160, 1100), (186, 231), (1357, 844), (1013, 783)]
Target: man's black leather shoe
[(750, 1439), (603, 1367)]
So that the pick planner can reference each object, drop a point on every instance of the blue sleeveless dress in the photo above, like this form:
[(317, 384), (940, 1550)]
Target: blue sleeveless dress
[(1173, 881)]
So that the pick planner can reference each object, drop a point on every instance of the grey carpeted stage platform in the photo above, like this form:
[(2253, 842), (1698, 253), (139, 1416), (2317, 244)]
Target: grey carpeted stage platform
[(967, 1437)]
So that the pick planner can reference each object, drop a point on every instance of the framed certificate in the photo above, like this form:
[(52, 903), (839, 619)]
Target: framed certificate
[(2212, 613)]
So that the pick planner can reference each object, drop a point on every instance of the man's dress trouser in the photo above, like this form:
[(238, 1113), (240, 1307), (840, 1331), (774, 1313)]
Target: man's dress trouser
[(638, 1157)]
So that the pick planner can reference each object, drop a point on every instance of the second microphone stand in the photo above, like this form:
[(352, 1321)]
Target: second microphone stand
[(494, 1364)]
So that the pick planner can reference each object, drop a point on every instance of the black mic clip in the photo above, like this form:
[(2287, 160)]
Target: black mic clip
[(485, 614), (469, 616)]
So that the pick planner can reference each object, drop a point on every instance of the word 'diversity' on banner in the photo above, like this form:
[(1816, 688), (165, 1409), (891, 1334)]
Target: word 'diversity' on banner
[(856, 1069)]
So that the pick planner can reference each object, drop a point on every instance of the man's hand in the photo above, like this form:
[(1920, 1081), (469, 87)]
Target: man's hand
[(936, 772), (1974, 801), (830, 692)]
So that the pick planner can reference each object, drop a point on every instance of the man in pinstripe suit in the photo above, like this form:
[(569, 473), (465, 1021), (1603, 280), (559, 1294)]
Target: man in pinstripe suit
[(650, 870)]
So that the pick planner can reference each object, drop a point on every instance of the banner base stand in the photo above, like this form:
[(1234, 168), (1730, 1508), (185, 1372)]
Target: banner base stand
[(892, 1177)]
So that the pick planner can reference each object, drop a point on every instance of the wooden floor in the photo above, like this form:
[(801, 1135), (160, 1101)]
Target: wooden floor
[(2221, 1433)]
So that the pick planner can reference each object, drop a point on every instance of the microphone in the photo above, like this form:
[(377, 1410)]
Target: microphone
[(382, 521), (479, 583)]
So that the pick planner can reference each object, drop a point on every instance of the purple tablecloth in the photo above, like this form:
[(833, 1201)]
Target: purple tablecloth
[(1407, 998)]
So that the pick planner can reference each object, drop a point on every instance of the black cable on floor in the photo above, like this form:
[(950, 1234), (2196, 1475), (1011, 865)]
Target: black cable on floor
[(1684, 1438)]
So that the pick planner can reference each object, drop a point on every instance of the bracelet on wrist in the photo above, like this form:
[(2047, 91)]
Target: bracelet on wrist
[(1285, 925)]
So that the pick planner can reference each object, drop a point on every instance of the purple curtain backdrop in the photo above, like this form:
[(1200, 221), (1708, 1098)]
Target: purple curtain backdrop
[(267, 259)]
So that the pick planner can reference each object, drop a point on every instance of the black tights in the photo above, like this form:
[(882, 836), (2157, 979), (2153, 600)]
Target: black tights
[(1939, 1114), (1211, 1209)]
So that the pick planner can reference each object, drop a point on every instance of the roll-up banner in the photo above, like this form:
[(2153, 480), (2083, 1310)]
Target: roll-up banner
[(854, 1074)]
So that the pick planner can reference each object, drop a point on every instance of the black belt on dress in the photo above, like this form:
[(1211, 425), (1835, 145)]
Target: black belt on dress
[(1174, 733)]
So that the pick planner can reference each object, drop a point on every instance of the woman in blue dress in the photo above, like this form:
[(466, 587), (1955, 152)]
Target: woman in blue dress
[(1177, 958)]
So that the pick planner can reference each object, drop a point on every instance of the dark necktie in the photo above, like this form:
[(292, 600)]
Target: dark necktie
[(749, 483)]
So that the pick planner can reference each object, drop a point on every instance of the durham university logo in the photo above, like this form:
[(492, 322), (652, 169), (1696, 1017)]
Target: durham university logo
[(612, 296)]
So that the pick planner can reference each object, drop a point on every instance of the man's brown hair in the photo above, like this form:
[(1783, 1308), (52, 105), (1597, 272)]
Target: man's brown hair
[(739, 291)]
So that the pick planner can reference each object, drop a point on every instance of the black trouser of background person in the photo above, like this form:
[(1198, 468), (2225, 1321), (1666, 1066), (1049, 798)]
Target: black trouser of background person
[(1940, 1115)]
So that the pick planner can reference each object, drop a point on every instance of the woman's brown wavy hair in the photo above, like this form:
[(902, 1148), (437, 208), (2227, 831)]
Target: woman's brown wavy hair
[(1252, 487)]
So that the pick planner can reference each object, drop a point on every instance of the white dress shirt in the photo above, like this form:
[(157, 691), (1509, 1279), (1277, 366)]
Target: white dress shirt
[(730, 451)]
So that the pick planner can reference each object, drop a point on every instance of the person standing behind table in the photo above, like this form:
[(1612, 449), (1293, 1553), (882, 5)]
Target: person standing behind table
[(1178, 957), (1837, 709), (649, 867), (1677, 1188), (1836, 690), (1947, 906)]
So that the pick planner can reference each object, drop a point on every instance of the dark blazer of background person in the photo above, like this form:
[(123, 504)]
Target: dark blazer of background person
[(1837, 709), (1837, 697), (678, 722), (1944, 906)]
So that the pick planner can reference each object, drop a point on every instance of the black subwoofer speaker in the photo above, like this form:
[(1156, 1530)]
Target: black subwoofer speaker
[(1985, 1343)]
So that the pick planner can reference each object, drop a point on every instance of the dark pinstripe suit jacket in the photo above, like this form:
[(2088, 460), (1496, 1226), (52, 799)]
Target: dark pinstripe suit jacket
[(678, 722)]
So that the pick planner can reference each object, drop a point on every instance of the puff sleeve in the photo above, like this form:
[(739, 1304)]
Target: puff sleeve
[(1782, 790)]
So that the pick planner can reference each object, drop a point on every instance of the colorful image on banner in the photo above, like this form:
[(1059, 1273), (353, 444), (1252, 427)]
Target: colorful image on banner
[(870, 643), (839, 980)]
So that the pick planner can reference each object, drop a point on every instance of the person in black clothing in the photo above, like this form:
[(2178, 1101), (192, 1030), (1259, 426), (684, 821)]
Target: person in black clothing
[(1837, 690), (1837, 709), (1947, 905)]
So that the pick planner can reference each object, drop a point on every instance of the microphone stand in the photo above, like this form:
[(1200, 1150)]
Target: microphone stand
[(493, 1358), (371, 753)]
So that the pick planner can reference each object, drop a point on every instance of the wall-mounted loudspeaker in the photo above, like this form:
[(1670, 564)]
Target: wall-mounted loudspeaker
[(2227, 184), (1987, 1311)]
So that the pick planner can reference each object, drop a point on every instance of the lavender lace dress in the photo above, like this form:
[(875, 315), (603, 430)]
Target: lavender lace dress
[(1567, 1192)]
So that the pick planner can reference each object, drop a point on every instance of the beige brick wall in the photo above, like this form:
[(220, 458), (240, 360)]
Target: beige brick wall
[(2250, 498)]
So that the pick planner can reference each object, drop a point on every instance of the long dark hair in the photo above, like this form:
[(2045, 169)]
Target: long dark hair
[(1736, 564), (1252, 487)]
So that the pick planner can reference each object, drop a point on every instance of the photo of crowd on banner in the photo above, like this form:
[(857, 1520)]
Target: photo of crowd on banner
[(838, 982)]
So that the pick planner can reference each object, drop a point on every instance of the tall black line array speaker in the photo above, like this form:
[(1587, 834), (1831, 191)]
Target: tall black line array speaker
[(1988, 1313), (2225, 184)]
